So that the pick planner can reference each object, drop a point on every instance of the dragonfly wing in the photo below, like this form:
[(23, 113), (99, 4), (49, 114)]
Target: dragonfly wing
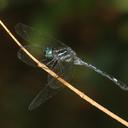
[(64, 70), (35, 50), (21, 31), (59, 70), (26, 32), (51, 89), (35, 37), (45, 94)]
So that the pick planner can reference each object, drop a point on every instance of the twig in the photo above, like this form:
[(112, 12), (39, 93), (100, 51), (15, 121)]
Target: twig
[(78, 92)]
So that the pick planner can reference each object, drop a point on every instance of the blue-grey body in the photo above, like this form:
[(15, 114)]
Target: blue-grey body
[(63, 54), (54, 56)]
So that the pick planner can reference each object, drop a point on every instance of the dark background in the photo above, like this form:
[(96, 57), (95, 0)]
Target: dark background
[(97, 31)]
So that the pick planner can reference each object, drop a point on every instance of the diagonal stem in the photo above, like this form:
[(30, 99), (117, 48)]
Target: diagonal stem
[(65, 83)]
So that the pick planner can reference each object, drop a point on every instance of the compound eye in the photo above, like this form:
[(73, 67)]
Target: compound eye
[(48, 53)]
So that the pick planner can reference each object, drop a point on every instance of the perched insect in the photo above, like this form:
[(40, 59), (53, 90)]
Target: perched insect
[(57, 56)]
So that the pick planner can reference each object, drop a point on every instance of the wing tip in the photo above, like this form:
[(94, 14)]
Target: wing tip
[(31, 107)]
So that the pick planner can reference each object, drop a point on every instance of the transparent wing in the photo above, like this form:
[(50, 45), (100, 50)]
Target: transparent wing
[(43, 40), (58, 69), (45, 94), (38, 42), (35, 50), (64, 70), (24, 31), (35, 37), (52, 88)]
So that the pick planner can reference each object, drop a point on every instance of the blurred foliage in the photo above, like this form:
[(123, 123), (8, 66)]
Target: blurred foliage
[(121, 5), (97, 31), (3, 4)]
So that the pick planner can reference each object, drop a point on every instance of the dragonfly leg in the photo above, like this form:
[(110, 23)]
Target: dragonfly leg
[(52, 62), (61, 68)]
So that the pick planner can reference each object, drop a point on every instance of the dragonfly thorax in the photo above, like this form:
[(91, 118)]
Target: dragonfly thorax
[(64, 54)]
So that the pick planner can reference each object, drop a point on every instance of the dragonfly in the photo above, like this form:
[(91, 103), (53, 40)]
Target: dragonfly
[(58, 57)]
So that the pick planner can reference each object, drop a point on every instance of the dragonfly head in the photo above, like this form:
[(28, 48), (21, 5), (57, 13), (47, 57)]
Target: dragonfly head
[(48, 53)]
